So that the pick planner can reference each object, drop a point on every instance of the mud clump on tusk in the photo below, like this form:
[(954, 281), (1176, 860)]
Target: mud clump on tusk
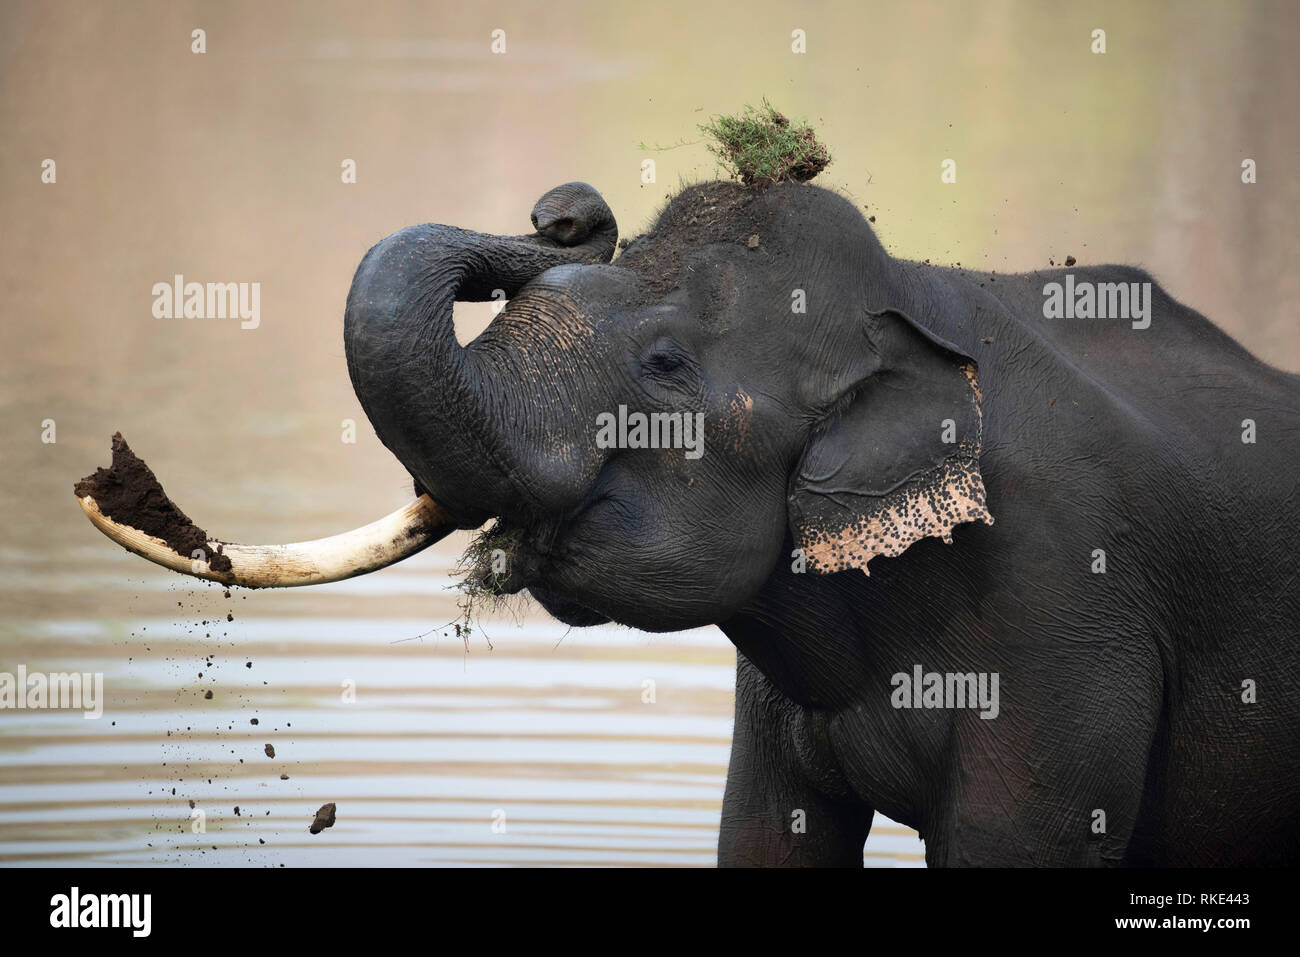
[(129, 493), (126, 503)]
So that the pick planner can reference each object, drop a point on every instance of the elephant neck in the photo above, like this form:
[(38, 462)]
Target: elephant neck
[(833, 644), (803, 632)]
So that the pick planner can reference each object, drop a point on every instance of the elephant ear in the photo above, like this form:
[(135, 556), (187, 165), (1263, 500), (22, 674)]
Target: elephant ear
[(897, 458)]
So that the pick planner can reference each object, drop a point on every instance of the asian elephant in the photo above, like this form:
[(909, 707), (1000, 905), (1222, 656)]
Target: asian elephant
[(1021, 578)]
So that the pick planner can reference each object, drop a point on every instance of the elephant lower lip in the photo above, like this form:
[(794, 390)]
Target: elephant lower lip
[(566, 610), (513, 586)]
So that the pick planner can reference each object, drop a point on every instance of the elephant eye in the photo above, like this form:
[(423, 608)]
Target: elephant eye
[(664, 362), (664, 358), (667, 363)]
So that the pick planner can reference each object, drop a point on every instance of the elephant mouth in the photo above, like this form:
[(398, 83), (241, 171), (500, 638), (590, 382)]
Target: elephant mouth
[(508, 558)]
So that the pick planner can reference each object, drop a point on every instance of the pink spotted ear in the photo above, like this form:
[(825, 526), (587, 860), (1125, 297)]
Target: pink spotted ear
[(899, 460)]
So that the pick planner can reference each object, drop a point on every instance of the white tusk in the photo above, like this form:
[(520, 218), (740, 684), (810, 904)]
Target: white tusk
[(396, 536)]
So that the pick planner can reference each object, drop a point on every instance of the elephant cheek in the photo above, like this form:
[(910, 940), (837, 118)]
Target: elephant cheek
[(736, 421), (708, 579)]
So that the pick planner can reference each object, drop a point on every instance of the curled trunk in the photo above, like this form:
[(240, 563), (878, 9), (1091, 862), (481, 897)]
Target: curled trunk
[(425, 394)]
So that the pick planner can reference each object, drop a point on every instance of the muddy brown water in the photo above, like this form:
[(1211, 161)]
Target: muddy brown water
[(226, 167)]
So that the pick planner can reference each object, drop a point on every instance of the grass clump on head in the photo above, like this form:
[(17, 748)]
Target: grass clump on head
[(761, 146)]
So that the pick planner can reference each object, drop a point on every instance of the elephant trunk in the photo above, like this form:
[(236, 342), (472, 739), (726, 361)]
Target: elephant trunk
[(428, 399)]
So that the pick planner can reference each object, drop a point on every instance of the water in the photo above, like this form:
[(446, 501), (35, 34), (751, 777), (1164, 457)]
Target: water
[(540, 749)]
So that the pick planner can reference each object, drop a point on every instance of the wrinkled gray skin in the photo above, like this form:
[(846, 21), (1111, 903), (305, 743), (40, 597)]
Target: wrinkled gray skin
[(1121, 694)]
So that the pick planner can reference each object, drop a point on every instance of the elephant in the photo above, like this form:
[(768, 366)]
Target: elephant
[(1007, 558), (918, 485)]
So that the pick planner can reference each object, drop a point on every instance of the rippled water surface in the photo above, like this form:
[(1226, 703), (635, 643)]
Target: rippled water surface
[(537, 749)]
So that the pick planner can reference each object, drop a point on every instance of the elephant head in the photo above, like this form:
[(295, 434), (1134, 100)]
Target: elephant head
[(832, 423)]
